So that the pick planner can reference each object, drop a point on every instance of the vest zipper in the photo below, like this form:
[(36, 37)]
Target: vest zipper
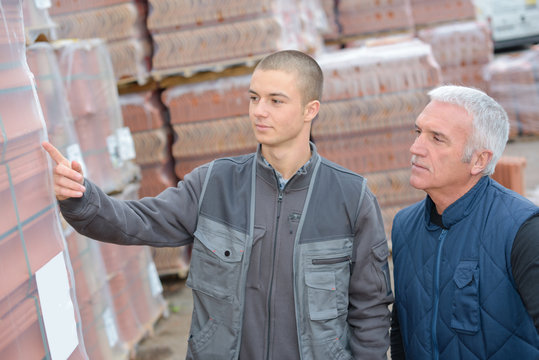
[(279, 203), (436, 297)]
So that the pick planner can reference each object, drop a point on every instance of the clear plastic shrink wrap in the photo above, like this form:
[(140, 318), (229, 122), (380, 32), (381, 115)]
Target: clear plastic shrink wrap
[(106, 144), (38, 307), (148, 120), (372, 96), (513, 80), (121, 23), (99, 325), (463, 50), (192, 36), (428, 12), (213, 113)]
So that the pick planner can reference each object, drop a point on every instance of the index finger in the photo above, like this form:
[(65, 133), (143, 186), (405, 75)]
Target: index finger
[(55, 154)]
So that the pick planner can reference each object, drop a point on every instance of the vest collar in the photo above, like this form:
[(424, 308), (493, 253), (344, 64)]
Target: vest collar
[(299, 181), (460, 208)]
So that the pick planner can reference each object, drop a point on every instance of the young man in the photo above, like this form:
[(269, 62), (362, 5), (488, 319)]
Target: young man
[(289, 255), (467, 257)]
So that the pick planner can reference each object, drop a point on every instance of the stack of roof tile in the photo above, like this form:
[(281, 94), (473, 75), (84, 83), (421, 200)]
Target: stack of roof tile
[(210, 119), (192, 36), (134, 285), (372, 96), (365, 18), (32, 248), (428, 12), (98, 317), (147, 117), (120, 22), (106, 144), (462, 49), (513, 80)]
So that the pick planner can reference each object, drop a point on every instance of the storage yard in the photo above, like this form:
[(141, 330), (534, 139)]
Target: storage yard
[(143, 91)]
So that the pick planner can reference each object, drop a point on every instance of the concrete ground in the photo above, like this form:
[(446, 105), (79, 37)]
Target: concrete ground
[(169, 339)]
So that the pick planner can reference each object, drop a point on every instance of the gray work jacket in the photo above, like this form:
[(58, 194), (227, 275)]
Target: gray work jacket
[(297, 273)]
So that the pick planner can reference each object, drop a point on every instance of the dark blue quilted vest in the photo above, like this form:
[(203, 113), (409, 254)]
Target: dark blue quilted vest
[(455, 293)]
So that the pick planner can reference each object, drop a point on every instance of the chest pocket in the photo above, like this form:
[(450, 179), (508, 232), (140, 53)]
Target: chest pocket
[(465, 317), (216, 262)]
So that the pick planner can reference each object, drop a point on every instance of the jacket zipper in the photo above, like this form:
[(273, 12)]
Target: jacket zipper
[(279, 203), (436, 297), (331, 260)]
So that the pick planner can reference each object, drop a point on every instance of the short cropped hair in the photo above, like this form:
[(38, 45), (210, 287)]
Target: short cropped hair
[(309, 75), (490, 121)]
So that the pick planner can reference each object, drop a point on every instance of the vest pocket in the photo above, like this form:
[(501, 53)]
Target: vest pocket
[(322, 295), (216, 263), (465, 317)]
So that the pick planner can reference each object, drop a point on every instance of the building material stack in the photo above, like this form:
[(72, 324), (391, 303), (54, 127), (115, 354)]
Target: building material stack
[(432, 12), (98, 318), (121, 23), (372, 96), (38, 307), (148, 120), (210, 120), (194, 36), (463, 50), (513, 80)]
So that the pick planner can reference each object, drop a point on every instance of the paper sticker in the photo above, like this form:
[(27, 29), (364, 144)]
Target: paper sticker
[(57, 308)]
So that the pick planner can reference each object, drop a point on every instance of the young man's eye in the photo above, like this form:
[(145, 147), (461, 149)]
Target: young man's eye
[(253, 98), (276, 101)]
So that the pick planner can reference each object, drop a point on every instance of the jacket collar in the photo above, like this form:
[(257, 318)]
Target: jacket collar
[(460, 208), (299, 181)]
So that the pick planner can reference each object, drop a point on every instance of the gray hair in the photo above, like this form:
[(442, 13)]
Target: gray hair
[(490, 121)]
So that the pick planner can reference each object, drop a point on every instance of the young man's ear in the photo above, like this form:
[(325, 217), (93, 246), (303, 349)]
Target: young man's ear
[(311, 110), (483, 158)]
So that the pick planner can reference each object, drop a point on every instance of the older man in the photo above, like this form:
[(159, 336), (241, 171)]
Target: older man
[(467, 256)]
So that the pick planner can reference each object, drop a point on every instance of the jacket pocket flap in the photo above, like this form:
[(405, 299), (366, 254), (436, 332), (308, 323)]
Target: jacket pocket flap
[(464, 273), (381, 251), (221, 246)]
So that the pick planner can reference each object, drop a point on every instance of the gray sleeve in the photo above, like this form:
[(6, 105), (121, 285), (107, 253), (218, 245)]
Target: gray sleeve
[(169, 219), (370, 286)]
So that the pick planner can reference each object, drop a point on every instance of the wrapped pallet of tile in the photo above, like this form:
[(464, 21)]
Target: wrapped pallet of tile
[(134, 285), (98, 319), (106, 144), (147, 117), (462, 49), (513, 80), (39, 312), (108, 151), (210, 119), (430, 12), (195, 36), (122, 23), (351, 22), (372, 96)]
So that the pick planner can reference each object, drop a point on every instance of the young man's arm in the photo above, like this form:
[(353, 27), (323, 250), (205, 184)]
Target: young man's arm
[(370, 286), (168, 219)]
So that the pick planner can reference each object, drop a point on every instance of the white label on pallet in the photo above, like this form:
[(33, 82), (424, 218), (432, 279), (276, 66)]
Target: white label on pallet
[(114, 151), (155, 283), (126, 144), (110, 327), (57, 308), (43, 4)]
